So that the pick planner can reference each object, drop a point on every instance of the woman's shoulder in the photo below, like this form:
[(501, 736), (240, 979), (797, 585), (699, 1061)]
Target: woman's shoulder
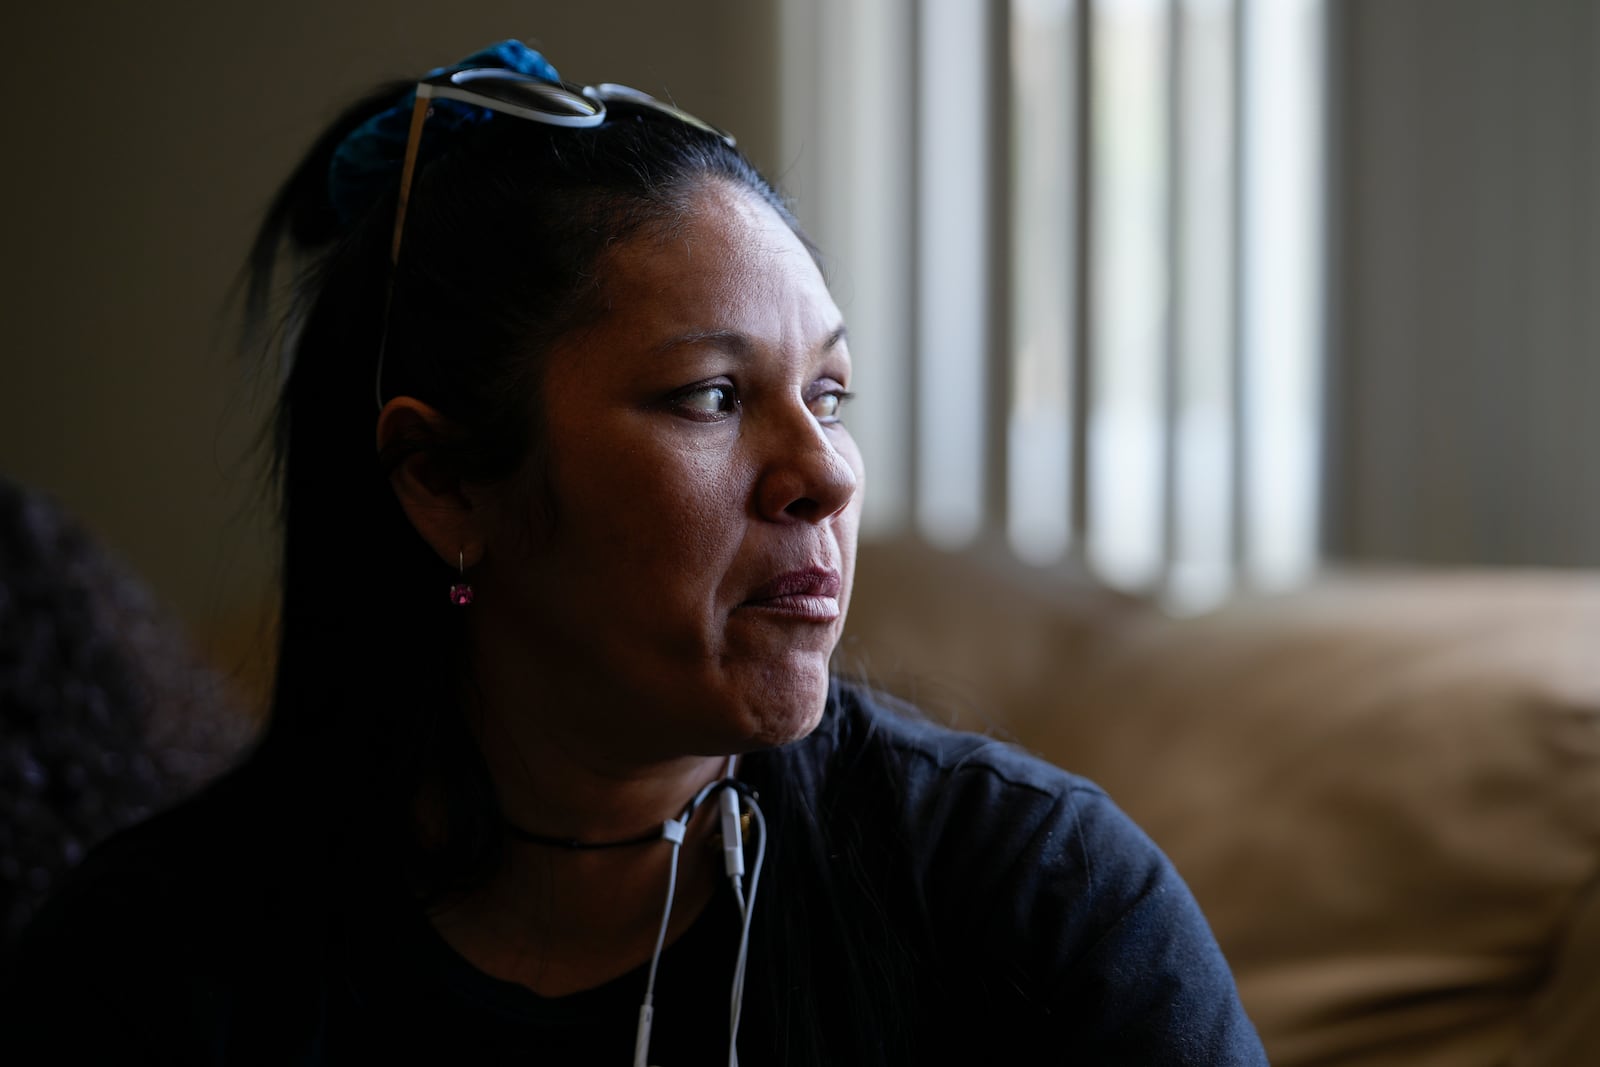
[(867, 715), (977, 819), (149, 935), (154, 897), (150, 866), (1035, 888), (975, 775)]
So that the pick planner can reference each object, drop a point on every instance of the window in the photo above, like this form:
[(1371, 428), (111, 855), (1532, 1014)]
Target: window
[(1078, 242)]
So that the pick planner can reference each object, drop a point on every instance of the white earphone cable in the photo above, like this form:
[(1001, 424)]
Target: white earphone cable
[(674, 831)]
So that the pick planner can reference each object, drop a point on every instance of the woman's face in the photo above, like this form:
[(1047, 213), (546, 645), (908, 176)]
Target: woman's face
[(691, 586)]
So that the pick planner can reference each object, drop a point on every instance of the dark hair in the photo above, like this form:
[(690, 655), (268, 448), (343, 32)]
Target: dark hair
[(106, 713), (505, 250)]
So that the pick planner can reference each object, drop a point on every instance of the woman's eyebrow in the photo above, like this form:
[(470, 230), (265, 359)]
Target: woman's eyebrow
[(731, 341), (735, 343)]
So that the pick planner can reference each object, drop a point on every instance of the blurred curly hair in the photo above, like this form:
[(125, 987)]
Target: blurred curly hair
[(106, 713)]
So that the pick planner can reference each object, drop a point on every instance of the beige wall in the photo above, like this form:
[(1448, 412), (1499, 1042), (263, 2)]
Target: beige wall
[(143, 141)]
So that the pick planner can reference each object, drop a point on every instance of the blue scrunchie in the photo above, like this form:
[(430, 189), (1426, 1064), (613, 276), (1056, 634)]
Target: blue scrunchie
[(367, 162)]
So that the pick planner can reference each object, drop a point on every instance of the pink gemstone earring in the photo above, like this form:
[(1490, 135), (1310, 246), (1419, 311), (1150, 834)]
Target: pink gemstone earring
[(461, 592)]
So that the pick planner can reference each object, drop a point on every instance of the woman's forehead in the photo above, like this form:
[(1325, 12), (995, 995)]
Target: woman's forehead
[(729, 264)]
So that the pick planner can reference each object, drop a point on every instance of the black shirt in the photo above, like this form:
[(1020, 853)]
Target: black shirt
[(931, 897)]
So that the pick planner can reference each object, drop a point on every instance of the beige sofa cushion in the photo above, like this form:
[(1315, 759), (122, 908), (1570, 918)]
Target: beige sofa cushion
[(1384, 791), (975, 639)]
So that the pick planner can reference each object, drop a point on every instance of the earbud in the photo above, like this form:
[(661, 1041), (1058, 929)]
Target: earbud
[(732, 833)]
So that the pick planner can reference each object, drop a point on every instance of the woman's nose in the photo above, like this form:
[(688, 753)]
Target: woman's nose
[(805, 477)]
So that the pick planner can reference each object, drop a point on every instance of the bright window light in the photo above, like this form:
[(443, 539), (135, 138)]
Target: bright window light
[(953, 312), (1282, 322), (1128, 261), (1039, 433)]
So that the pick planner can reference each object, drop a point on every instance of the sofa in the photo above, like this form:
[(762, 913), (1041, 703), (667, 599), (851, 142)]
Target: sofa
[(1383, 788)]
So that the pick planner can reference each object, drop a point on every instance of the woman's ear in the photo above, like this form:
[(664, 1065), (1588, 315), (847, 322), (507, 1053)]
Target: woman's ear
[(433, 496)]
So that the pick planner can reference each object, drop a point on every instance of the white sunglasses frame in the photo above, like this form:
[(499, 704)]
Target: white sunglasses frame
[(571, 106)]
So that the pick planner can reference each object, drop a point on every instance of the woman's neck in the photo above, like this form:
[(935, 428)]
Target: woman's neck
[(557, 919)]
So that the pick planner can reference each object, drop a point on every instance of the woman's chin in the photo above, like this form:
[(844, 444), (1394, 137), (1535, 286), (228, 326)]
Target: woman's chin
[(778, 713), (778, 726)]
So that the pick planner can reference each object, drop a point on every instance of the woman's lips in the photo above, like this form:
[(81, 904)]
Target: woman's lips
[(811, 594)]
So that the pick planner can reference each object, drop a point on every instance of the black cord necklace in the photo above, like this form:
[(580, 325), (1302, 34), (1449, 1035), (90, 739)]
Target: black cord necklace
[(531, 838), (655, 834)]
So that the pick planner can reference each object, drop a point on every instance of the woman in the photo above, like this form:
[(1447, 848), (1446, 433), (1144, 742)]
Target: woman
[(556, 623)]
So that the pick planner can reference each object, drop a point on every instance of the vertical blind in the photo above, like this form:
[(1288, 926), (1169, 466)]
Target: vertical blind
[(1079, 246)]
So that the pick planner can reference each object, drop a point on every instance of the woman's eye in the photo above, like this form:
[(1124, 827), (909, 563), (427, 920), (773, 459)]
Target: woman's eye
[(708, 401), (827, 406)]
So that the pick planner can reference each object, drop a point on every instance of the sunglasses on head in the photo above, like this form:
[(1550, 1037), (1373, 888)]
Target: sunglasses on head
[(508, 92)]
